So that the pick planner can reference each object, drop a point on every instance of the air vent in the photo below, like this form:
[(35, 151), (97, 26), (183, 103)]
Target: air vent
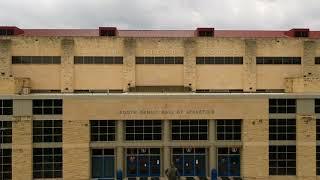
[(298, 33), (10, 31), (108, 31), (205, 32)]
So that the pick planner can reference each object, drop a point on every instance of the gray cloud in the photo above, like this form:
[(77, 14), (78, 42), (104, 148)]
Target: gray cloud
[(162, 14)]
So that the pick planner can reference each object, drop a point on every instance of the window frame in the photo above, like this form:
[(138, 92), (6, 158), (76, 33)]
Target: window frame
[(40, 127), (190, 129), (279, 157), (56, 108), (41, 161), (282, 129), (234, 135), (143, 130), (100, 130), (5, 108)]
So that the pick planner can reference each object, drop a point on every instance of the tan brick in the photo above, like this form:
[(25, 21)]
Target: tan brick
[(22, 148)]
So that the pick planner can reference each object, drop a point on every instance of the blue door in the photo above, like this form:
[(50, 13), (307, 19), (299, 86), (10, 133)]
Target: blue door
[(103, 164), (228, 162), (144, 162), (190, 161)]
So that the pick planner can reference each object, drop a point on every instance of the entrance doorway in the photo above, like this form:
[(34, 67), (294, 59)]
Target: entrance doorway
[(143, 162), (190, 161), (229, 162)]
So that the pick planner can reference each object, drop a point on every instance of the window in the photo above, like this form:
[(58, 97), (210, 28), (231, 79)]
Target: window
[(229, 161), (317, 60), (278, 60), (190, 161), (103, 164), (189, 129), (228, 129), (103, 130), (5, 164), (47, 131), (5, 107), (47, 106), (318, 129), (159, 60), (143, 130), (318, 160), (282, 106), (317, 106), (219, 60), (5, 132), (98, 60), (282, 129), (36, 60), (205, 33), (47, 162), (6, 32), (143, 162), (282, 160)]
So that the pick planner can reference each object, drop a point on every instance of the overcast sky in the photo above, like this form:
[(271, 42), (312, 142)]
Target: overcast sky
[(162, 14)]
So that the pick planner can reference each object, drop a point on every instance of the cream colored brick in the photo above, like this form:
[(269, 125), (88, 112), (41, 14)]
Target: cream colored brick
[(22, 148), (306, 146), (255, 162), (76, 151)]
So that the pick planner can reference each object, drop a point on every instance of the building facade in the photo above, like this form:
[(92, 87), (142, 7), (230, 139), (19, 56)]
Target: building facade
[(106, 103)]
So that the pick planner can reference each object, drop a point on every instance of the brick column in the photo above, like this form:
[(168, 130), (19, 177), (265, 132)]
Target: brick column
[(249, 67), (5, 58), (76, 151), (212, 149), (120, 149), (190, 53), (306, 139), (166, 148), (306, 147), (67, 65), (309, 53), (129, 61), (254, 160), (22, 148)]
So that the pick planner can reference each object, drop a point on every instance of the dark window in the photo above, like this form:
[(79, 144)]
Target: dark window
[(318, 129), (219, 60), (301, 34), (282, 106), (205, 33), (47, 131), (47, 106), (47, 163), (278, 60), (6, 32), (98, 60), (143, 162), (5, 132), (143, 130), (282, 129), (6, 106), (103, 163), (317, 60), (189, 129), (228, 129), (36, 60), (317, 106), (5, 164), (190, 161), (229, 161), (318, 160), (282, 160), (159, 60), (103, 130)]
